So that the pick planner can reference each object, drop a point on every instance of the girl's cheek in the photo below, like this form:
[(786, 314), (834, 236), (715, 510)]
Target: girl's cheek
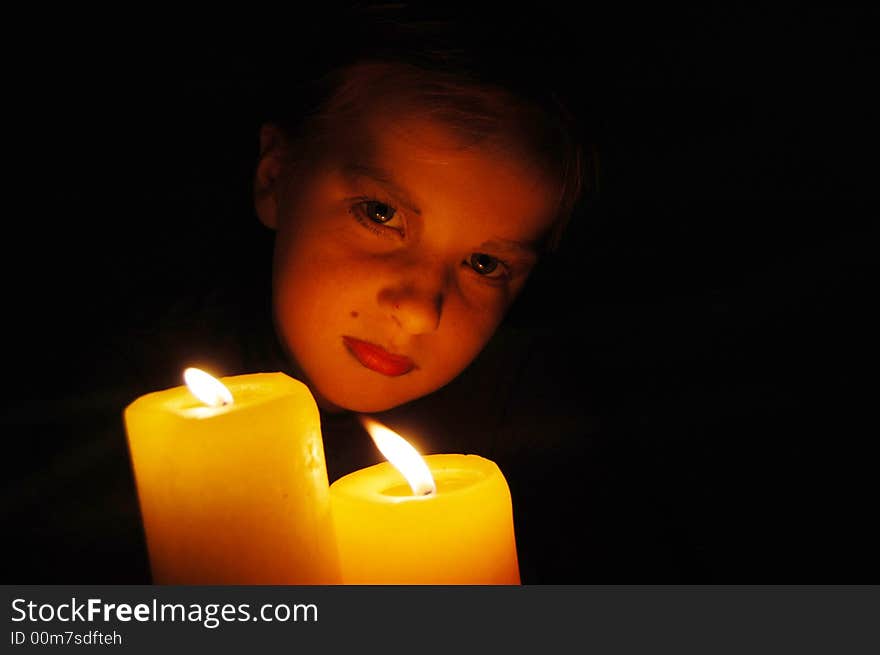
[(483, 299), (475, 319)]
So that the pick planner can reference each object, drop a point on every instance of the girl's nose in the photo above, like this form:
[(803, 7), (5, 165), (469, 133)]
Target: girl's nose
[(414, 310), (416, 305)]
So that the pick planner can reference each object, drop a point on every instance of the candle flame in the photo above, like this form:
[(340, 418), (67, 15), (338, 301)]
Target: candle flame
[(402, 456), (207, 388)]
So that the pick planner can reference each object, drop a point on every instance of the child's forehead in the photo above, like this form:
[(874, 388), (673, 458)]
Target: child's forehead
[(374, 135), (388, 141)]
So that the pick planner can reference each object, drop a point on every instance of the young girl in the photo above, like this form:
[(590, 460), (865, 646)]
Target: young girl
[(410, 207), (410, 210)]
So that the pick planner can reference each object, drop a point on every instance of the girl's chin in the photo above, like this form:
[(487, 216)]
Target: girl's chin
[(354, 403), (364, 391)]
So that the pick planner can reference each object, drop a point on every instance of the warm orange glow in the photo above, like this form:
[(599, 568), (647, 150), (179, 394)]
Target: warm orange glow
[(207, 388), (402, 456)]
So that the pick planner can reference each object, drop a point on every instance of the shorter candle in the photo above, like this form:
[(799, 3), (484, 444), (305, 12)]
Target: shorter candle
[(460, 534), (233, 488)]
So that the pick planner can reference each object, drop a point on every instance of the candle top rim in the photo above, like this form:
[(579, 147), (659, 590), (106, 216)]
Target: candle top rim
[(373, 482), (249, 390)]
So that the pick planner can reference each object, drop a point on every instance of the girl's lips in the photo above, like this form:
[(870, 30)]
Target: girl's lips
[(376, 358)]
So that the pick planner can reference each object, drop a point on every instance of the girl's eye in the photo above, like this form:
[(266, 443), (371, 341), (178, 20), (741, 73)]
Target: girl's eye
[(378, 217), (378, 212), (487, 265)]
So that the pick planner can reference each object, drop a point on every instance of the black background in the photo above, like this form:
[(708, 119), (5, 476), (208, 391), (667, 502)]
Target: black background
[(707, 314)]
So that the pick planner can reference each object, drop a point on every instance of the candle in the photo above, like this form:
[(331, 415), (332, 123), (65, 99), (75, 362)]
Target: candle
[(233, 487), (456, 528)]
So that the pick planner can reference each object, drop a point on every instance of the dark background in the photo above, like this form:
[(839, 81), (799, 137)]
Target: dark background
[(702, 339)]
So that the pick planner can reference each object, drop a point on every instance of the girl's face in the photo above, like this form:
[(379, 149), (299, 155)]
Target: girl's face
[(396, 256)]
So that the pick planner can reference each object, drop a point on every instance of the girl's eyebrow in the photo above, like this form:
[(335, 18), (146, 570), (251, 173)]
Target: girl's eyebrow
[(385, 179), (525, 249)]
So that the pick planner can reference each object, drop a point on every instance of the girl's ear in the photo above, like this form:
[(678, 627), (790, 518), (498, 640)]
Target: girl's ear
[(273, 148)]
